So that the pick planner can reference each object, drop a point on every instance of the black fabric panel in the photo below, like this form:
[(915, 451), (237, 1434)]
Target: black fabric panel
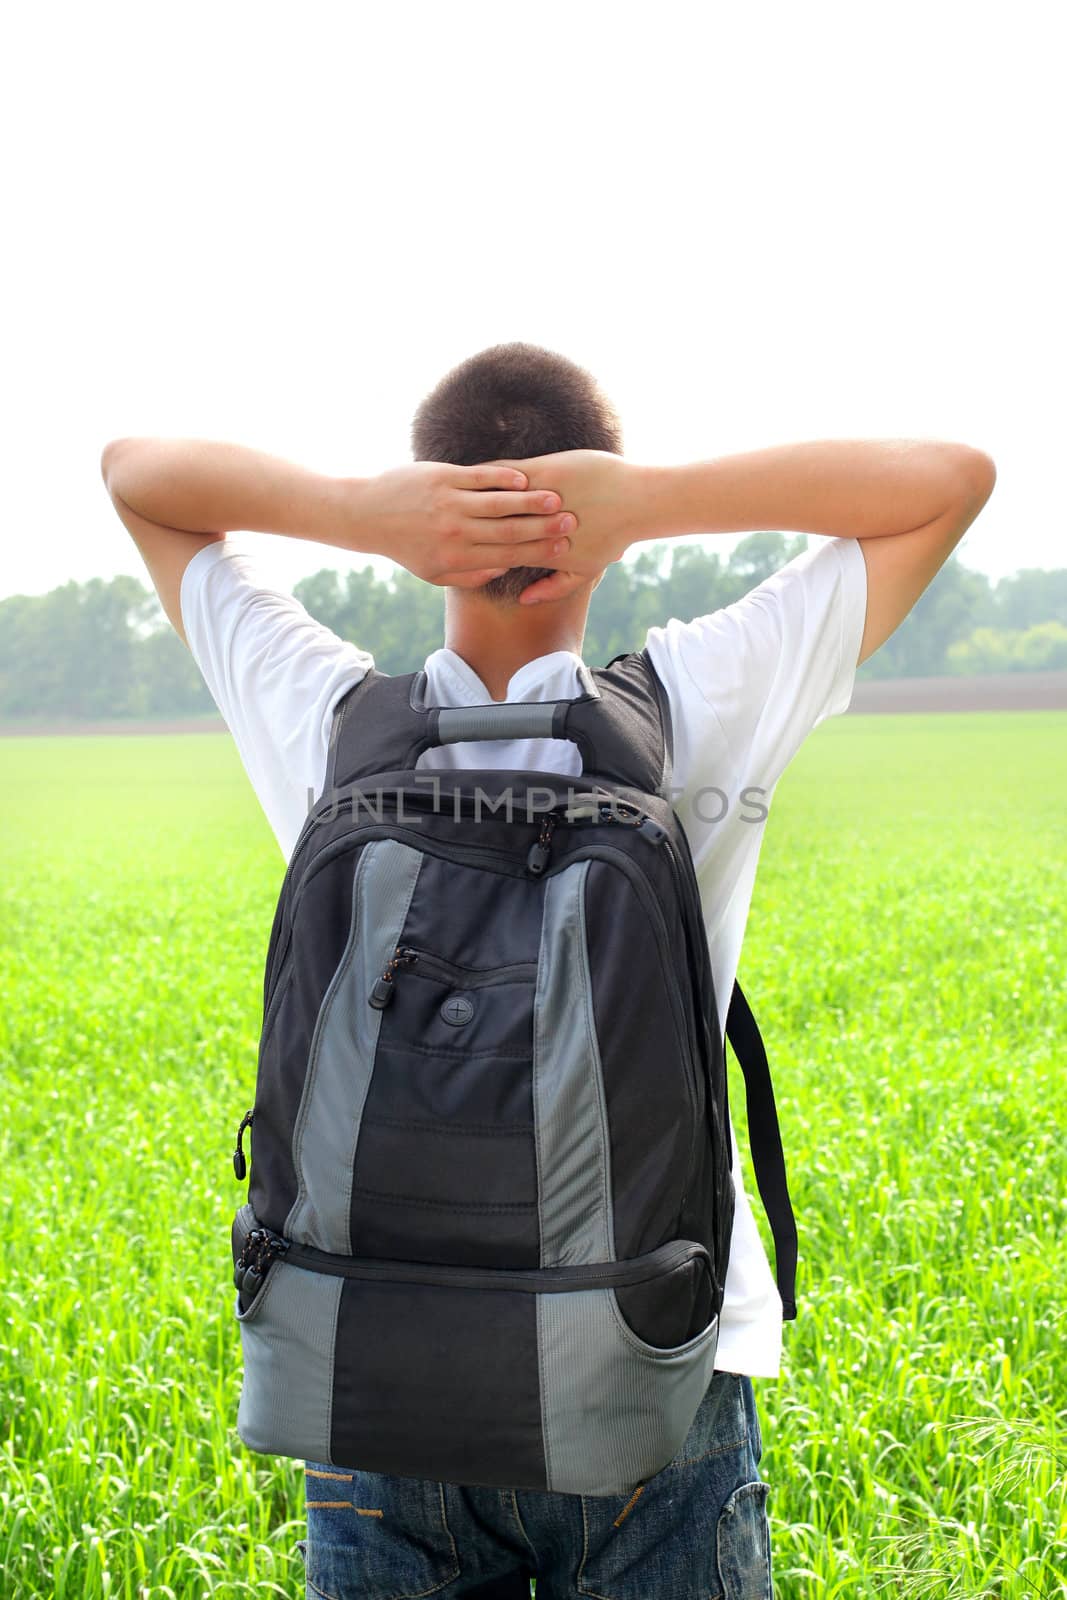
[(435, 1086), (659, 688), (438, 1383), (670, 1309), (475, 918), (447, 1164), (375, 728), (649, 1117), (452, 1234), (445, 1167), (501, 1026), (709, 1206), (620, 735), (302, 980), (708, 1210)]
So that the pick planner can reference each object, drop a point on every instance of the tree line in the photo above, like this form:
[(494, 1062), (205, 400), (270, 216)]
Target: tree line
[(104, 649)]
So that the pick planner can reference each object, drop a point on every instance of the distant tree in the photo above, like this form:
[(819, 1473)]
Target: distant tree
[(677, 580), (758, 555), (1042, 648), (1030, 596), (945, 613), (95, 649), (167, 682), (105, 649)]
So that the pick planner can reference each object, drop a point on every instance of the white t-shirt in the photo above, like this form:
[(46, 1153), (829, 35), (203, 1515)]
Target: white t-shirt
[(746, 683)]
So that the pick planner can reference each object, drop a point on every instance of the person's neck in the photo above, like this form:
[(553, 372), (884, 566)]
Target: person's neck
[(496, 638)]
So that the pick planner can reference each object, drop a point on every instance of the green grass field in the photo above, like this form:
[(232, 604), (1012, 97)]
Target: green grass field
[(906, 956)]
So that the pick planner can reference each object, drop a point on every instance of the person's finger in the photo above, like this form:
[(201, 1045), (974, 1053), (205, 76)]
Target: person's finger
[(469, 580), (555, 587), (490, 475), (494, 503), (531, 553), (484, 533)]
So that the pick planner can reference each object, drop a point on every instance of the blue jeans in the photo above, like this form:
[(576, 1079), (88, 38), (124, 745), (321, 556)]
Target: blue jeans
[(698, 1530)]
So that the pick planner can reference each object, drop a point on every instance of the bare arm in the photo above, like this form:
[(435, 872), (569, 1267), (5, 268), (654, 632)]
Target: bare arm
[(177, 495), (908, 502)]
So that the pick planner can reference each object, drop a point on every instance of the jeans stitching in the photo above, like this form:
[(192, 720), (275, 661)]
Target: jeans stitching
[(756, 1489), (585, 1556), (451, 1541), (419, 1594), (320, 1592), (522, 1525)]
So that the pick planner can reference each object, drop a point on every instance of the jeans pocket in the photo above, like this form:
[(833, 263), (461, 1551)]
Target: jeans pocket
[(375, 1537), (662, 1541), (743, 1545)]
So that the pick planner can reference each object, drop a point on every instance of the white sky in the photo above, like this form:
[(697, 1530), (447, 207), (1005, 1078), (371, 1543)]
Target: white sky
[(754, 224)]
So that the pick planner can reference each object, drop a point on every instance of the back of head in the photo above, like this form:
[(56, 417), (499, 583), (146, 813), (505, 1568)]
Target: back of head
[(509, 403)]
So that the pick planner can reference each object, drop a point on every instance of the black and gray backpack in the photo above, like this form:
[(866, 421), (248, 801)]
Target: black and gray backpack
[(490, 1202)]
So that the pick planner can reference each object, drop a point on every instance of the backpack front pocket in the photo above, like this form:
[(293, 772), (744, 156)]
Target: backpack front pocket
[(525, 1378), (446, 1149)]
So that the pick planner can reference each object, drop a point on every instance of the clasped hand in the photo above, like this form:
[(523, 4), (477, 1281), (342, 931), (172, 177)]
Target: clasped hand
[(462, 526)]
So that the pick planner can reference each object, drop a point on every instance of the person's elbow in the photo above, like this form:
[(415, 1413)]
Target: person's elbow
[(979, 475), (109, 458)]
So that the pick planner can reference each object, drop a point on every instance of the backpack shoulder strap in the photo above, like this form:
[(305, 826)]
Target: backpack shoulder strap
[(765, 1142), (624, 731), (378, 726)]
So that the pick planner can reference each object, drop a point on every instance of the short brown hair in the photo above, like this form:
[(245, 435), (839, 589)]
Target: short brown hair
[(508, 403)]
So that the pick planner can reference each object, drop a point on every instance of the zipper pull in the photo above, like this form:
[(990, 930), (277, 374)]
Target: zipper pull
[(385, 986), (240, 1166), (541, 849), (252, 1265), (621, 811), (246, 1262), (241, 1263)]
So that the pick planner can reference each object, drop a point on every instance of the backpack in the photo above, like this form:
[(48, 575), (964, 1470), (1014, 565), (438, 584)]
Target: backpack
[(490, 1200)]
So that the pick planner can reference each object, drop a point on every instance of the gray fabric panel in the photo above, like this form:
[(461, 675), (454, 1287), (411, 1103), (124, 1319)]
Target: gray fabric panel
[(570, 1117), (524, 720), (613, 1410), (342, 1050), (287, 1339)]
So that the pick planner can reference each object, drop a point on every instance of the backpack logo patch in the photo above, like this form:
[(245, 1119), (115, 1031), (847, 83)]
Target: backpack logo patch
[(457, 1010)]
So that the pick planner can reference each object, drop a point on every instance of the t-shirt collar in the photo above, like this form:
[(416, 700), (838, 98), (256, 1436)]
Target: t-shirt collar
[(528, 683)]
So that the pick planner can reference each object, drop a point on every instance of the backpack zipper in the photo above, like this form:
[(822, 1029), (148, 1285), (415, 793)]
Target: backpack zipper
[(384, 987), (540, 851), (537, 861), (262, 1247), (460, 977), (240, 1166), (620, 812)]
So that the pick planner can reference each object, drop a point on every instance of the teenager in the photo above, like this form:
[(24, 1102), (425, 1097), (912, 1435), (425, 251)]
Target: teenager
[(518, 499)]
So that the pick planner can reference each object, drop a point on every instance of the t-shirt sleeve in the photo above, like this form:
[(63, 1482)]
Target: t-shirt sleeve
[(754, 678), (274, 673)]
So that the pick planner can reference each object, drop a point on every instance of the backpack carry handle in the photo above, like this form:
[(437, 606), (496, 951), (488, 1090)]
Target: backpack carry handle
[(530, 719), (383, 724)]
